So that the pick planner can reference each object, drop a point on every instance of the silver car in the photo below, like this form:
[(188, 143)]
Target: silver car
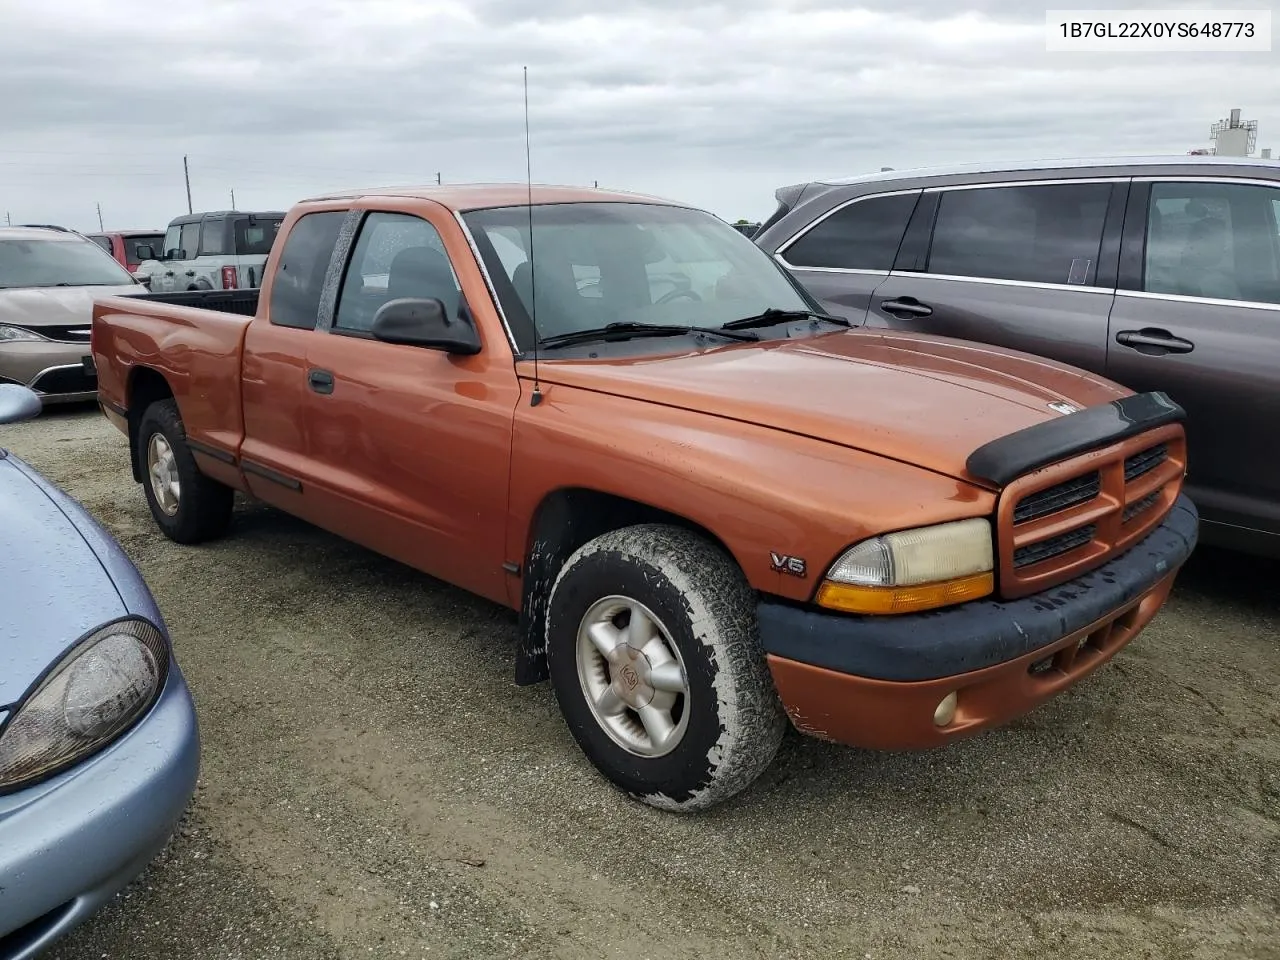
[(1158, 273), (49, 278)]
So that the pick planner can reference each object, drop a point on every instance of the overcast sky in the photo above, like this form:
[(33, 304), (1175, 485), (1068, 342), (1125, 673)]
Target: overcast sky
[(716, 104)]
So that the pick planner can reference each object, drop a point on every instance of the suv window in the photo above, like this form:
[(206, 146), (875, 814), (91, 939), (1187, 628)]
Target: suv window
[(172, 239), (299, 277), (254, 238), (131, 244), (190, 242), (396, 255), (1217, 240), (863, 236), (100, 240), (1042, 234), (212, 237)]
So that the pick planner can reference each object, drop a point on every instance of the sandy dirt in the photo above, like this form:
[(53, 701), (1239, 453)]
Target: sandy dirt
[(374, 785)]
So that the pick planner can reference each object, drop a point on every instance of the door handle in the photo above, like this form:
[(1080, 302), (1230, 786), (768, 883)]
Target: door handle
[(321, 381), (906, 307), (1154, 341)]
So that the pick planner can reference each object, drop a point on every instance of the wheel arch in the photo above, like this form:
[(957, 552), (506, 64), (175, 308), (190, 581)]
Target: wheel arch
[(564, 520), (145, 386)]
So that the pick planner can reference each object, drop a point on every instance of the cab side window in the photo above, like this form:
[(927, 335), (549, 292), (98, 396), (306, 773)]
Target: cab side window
[(1214, 240), (863, 236), (1048, 233), (396, 255), (299, 277)]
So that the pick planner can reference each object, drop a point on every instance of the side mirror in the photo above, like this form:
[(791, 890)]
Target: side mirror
[(424, 323), (18, 403), (174, 255), (144, 251)]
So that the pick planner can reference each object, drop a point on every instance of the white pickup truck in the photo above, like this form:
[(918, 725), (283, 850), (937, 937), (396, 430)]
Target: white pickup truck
[(222, 250)]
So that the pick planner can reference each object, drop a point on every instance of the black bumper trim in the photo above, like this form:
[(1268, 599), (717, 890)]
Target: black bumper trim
[(982, 633), (1032, 447)]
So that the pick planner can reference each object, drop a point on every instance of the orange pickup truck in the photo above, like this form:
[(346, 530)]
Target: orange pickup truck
[(714, 507)]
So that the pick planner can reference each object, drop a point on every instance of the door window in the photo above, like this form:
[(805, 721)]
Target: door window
[(172, 240), (1214, 240), (863, 236), (299, 277), (190, 242), (211, 237), (396, 255), (1041, 234)]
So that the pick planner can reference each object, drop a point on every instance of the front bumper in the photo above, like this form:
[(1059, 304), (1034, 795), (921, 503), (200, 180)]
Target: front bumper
[(69, 844), (875, 681), (56, 371)]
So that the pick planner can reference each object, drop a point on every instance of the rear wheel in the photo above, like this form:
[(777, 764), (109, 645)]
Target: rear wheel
[(656, 664), (188, 506)]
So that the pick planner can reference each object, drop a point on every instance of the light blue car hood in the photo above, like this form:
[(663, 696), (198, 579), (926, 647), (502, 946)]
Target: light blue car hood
[(53, 587)]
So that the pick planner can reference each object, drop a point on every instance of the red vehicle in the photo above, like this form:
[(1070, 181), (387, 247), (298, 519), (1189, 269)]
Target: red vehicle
[(123, 245)]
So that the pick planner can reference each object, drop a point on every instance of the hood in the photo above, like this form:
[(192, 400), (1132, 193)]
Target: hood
[(37, 307), (923, 400), (53, 589)]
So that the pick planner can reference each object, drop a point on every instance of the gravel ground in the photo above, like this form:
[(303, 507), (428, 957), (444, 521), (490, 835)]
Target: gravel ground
[(374, 785)]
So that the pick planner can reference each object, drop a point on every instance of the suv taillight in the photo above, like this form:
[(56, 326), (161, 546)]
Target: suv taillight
[(228, 278)]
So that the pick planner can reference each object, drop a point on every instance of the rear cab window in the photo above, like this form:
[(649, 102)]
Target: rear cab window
[(299, 277), (864, 235), (1043, 233)]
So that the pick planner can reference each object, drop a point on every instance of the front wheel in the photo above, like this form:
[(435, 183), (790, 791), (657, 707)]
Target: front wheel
[(656, 664), (188, 506)]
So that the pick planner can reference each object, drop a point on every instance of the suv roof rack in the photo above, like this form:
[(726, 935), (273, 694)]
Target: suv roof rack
[(46, 226)]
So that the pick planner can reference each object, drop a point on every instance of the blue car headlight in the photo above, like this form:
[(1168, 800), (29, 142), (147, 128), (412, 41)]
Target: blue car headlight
[(90, 697)]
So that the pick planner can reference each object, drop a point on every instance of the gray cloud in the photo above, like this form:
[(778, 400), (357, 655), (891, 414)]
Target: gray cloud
[(715, 103)]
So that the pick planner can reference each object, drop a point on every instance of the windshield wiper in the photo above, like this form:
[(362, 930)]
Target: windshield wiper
[(628, 330), (774, 315)]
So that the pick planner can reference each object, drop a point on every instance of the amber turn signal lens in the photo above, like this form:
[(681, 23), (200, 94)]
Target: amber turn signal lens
[(859, 598)]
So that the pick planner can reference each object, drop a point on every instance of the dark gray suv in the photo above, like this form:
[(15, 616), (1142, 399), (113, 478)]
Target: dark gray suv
[(1159, 273)]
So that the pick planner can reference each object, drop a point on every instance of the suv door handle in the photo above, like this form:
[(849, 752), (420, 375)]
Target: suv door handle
[(906, 307), (321, 381), (1156, 341)]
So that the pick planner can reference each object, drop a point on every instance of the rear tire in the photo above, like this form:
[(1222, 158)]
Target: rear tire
[(656, 663), (187, 506)]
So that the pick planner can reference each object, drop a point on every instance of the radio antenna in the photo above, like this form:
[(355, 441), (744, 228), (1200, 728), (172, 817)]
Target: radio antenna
[(536, 397)]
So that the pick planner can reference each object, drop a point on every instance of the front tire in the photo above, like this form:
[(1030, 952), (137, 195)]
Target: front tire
[(187, 506), (655, 660)]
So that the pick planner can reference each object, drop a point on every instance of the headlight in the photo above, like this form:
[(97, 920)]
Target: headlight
[(90, 697), (913, 570), (9, 334)]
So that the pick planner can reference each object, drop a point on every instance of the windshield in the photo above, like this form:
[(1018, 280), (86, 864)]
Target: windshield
[(32, 262), (601, 263)]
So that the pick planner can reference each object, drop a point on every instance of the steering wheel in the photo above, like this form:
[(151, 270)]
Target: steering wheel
[(676, 295)]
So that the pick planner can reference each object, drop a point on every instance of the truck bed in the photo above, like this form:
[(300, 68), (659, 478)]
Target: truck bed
[(242, 302), (194, 340)]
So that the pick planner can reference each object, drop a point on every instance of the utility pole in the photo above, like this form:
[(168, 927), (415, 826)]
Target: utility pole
[(233, 198), (597, 183), (437, 179), (100, 226), (7, 221), (186, 175)]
